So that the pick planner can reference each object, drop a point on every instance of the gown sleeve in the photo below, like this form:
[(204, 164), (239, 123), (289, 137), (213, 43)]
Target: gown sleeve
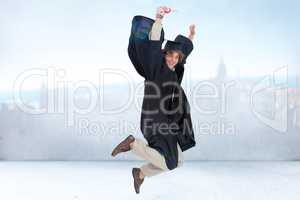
[(144, 53)]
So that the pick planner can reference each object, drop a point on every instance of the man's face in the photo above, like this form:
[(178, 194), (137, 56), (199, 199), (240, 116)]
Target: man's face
[(172, 58)]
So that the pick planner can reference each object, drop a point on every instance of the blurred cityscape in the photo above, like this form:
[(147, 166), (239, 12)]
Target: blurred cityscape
[(232, 116)]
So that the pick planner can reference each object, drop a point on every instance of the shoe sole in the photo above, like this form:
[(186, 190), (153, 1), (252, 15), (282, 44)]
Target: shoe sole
[(137, 192)]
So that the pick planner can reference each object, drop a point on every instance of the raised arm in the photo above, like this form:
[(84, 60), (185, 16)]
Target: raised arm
[(155, 32), (187, 48), (145, 43)]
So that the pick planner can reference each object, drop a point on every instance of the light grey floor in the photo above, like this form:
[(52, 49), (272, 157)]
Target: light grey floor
[(112, 180)]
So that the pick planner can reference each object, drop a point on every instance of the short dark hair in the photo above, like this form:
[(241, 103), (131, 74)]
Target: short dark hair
[(181, 55)]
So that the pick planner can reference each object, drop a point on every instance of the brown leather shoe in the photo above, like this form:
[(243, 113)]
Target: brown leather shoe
[(137, 180), (123, 146)]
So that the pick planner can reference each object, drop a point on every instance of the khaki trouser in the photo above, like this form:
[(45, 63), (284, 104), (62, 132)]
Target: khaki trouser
[(156, 162)]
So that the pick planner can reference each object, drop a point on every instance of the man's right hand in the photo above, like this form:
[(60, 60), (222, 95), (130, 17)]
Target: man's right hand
[(162, 11)]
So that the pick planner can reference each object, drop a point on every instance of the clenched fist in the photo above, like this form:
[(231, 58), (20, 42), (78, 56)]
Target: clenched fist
[(162, 11)]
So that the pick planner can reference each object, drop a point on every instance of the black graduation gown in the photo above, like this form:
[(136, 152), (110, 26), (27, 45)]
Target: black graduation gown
[(165, 117)]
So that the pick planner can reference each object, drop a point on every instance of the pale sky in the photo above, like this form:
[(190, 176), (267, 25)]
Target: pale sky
[(253, 37)]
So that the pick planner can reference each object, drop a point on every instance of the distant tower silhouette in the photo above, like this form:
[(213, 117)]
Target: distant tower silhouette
[(221, 73)]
